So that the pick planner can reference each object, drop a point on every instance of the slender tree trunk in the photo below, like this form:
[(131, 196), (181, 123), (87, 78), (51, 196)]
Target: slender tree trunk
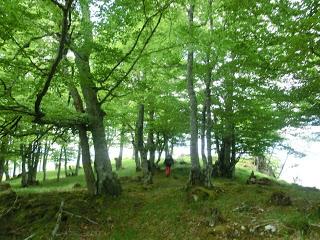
[(30, 159), (59, 164), (45, 159), (136, 148), (203, 136), (6, 170), (78, 160), (150, 143), (86, 161), (119, 159), (23, 165), (107, 181), (35, 163), (65, 161), (166, 145), (83, 144), (195, 173), (14, 169), (147, 176)]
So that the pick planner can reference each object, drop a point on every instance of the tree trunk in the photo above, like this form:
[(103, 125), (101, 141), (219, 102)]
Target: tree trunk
[(6, 170), (30, 159), (151, 145), (45, 159), (14, 169), (203, 136), (195, 173), (3, 152), (83, 144), (23, 155), (86, 161), (59, 164), (226, 162), (35, 163), (107, 181), (135, 141), (147, 176), (78, 160), (166, 145), (119, 159), (65, 161)]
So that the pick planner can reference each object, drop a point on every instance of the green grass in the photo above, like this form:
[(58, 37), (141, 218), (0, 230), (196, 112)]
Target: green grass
[(164, 210)]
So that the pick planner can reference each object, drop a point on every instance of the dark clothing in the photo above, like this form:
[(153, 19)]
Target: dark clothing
[(168, 161)]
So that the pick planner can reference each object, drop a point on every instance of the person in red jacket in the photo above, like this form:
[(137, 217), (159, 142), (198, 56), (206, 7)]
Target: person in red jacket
[(168, 162)]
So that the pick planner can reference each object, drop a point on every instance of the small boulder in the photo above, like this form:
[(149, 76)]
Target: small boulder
[(270, 228), (280, 199)]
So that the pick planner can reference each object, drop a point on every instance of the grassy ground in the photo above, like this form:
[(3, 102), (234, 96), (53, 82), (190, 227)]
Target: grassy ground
[(164, 210)]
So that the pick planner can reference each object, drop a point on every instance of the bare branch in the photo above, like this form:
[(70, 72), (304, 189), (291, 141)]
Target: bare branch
[(60, 54)]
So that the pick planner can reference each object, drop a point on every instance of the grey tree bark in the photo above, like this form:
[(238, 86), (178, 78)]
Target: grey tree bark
[(59, 164), (78, 160), (3, 152), (83, 144), (107, 181), (195, 173), (147, 175), (150, 143), (119, 158), (45, 159)]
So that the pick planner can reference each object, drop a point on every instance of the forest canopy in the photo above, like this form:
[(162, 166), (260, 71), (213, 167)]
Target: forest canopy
[(154, 74)]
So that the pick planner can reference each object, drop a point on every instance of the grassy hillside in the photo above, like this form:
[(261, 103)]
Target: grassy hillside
[(165, 210)]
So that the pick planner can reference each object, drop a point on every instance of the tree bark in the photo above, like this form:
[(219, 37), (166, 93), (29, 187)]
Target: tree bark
[(86, 161), (194, 155), (65, 161), (14, 169), (3, 151), (147, 176), (23, 155), (59, 164), (151, 144), (119, 159), (107, 181), (45, 159), (6, 170), (83, 143), (203, 136), (136, 150), (78, 160)]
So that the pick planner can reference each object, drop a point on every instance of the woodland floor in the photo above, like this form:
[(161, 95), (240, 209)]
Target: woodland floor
[(165, 210)]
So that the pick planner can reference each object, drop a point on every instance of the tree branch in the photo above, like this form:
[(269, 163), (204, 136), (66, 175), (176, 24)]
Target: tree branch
[(134, 62), (136, 41), (60, 54)]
